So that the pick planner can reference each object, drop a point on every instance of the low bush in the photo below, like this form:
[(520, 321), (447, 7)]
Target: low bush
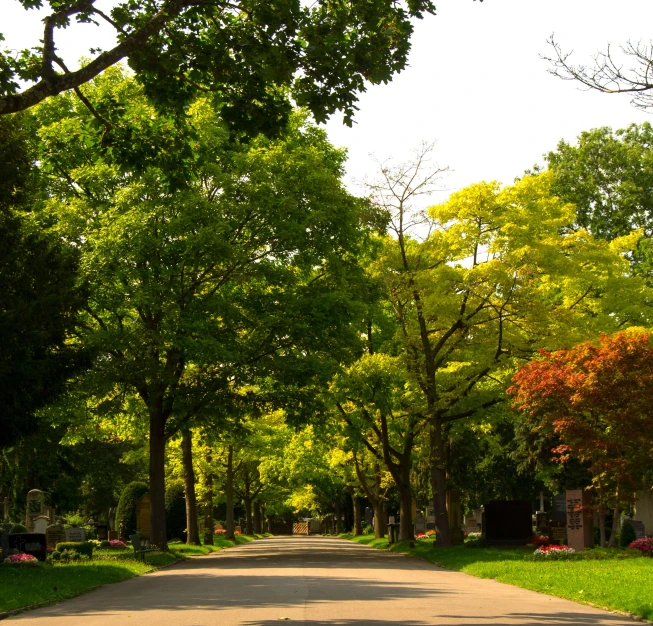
[(368, 529), (81, 547), (627, 534), (68, 556), (105, 544), (475, 540), (17, 528), (553, 553), (644, 545)]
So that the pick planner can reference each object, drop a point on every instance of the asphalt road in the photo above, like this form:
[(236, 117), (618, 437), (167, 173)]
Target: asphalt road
[(311, 581)]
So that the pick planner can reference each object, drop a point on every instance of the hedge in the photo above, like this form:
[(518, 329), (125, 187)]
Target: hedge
[(127, 505), (81, 547)]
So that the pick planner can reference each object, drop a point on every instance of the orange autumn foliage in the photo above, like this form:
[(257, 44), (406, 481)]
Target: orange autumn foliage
[(598, 398)]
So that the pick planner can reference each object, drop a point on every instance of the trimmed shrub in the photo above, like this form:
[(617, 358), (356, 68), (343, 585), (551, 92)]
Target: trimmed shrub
[(105, 544), (17, 529), (127, 505), (176, 510), (627, 534), (80, 547), (475, 540)]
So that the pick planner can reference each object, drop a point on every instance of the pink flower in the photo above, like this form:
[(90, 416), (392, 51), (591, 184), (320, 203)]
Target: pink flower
[(116, 543), (20, 558), (644, 544)]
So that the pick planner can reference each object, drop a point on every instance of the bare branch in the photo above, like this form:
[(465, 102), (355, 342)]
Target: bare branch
[(609, 73)]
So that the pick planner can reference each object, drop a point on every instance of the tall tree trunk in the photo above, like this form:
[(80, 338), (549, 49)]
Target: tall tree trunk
[(439, 484), (615, 526), (158, 532), (229, 493), (375, 498), (208, 512), (192, 527), (248, 515), (406, 530), (601, 517), (356, 506), (258, 519), (380, 519)]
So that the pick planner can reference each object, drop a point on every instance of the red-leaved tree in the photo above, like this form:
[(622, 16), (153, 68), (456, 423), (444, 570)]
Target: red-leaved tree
[(598, 400)]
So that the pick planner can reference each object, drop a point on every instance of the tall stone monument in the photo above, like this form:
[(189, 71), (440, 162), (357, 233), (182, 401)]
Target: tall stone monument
[(35, 508), (580, 530), (143, 519), (455, 514)]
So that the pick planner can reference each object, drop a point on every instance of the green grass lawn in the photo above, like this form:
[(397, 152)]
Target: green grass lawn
[(23, 586), (617, 583)]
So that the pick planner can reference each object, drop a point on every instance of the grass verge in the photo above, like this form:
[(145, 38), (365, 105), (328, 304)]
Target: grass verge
[(613, 582), (23, 586)]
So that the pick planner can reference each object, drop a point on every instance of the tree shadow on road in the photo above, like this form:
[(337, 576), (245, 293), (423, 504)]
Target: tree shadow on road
[(516, 619)]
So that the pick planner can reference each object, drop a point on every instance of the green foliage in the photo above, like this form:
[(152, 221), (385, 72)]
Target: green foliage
[(255, 59), (175, 510), (368, 530), (607, 175), (18, 528), (126, 510), (39, 296), (80, 547), (627, 534)]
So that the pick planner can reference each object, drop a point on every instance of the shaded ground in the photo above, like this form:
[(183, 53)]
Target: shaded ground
[(312, 581)]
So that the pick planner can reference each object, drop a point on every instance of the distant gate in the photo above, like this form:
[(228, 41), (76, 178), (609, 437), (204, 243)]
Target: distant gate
[(300, 528)]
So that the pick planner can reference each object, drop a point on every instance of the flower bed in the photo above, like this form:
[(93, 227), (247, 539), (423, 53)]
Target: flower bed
[(21, 558), (644, 545), (553, 553), (117, 544), (540, 540)]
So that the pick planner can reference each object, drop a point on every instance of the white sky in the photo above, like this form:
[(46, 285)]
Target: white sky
[(475, 83)]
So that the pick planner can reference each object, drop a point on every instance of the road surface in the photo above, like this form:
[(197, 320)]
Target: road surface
[(311, 581)]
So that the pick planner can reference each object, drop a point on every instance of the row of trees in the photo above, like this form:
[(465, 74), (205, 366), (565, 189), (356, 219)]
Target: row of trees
[(193, 289)]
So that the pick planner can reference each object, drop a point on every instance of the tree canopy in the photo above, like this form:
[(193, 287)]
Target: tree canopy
[(253, 57)]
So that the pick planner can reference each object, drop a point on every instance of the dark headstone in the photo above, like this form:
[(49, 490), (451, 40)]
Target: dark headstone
[(542, 523), (102, 532), (559, 512), (508, 522), (55, 534), (559, 532), (29, 543), (638, 527)]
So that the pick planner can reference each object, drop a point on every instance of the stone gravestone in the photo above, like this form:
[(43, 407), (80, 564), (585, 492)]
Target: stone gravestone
[(41, 524), (101, 533), (559, 512), (29, 543), (471, 525), (35, 507), (143, 519), (455, 515), (420, 523), (644, 509), (558, 532), (580, 531), (508, 522), (75, 534), (639, 528), (113, 535), (542, 523), (55, 534)]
